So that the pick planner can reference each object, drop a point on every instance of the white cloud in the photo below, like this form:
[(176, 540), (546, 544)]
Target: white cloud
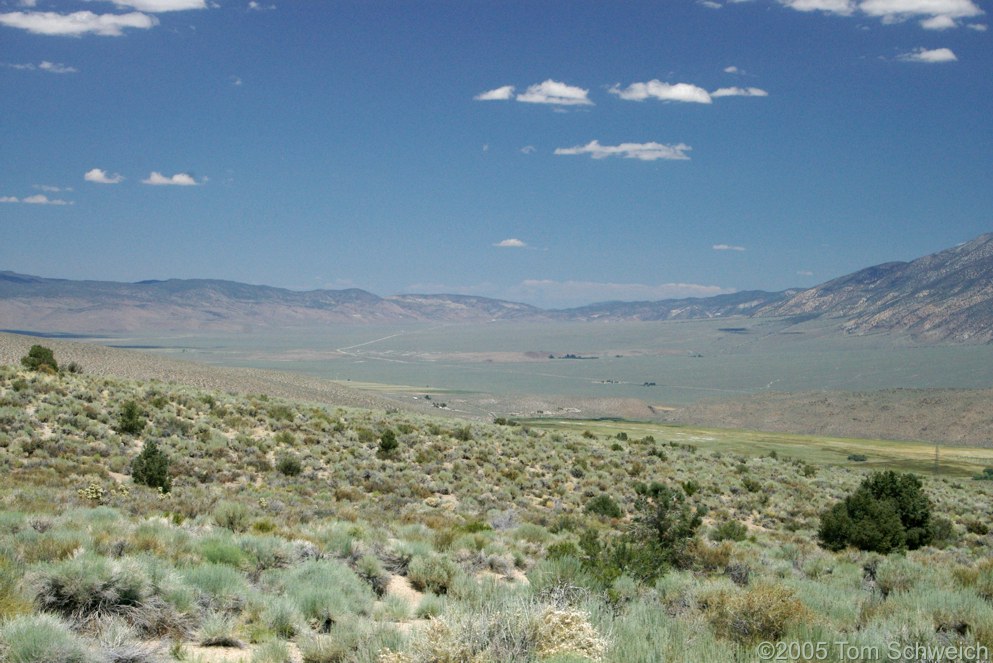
[(554, 92), (50, 67), (56, 68), (48, 188), (656, 89), (529, 149), (843, 7), (978, 27), (179, 179), (511, 243), (896, 10), (642, 151), (236, 81), (805, 272), (727, 247), (577, 293), (499, 94), (100, 176), (731, 70), (930, 56), (934, 14), (159, 6), (42, 199), (939, 23), (37, 199), (77, 23), (739, 92), (259, 7)]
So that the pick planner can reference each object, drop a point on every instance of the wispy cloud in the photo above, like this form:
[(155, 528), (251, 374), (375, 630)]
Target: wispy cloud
[(100, 176), (37, 199), (556, 93), (48, 188), (804, 272), (545, 292), (77, 24), (727, 247), (642, 151), (499, 94), (511, 243), (656, 89), (159, 6), (179, 179), (259, 7), (843, 7), (529, 149), (739, 92), (44, 65), (935, 55)]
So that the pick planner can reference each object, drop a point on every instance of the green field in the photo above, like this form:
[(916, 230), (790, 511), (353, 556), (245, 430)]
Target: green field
[(918, 457)]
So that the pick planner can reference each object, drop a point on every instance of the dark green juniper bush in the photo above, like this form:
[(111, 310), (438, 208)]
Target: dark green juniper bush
[(151, 467), (40, 358), (888, 512)]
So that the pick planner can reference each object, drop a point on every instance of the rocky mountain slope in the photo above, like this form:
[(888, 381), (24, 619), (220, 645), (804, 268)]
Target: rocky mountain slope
[(945, 296)]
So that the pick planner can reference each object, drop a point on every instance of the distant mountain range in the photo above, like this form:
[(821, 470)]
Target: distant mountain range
[(945, 296)]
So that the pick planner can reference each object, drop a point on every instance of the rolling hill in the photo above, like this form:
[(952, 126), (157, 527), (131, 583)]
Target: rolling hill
[(943, 297)]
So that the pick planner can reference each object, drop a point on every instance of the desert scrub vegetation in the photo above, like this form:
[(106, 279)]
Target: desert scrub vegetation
[(286, 531)]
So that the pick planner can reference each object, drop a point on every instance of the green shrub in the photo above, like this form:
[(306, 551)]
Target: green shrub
[(987, 475), (324, 591), (432, 573), (289, 465), (272, 651), (219, 587), (662, 528), (282, 618), (388, 442), (222, 550), (730, 530), (232, 515), (887, 512), (41, 359), (41, 638), (604, 505), (151, 467), (131, 419)]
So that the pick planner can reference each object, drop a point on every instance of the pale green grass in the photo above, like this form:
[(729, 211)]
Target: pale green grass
[(905, 456)]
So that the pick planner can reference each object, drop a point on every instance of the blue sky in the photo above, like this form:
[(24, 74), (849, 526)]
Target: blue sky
[(557, 152)]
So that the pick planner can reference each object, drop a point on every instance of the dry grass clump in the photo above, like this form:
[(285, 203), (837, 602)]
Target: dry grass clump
[(523, 630), (762, 612)]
